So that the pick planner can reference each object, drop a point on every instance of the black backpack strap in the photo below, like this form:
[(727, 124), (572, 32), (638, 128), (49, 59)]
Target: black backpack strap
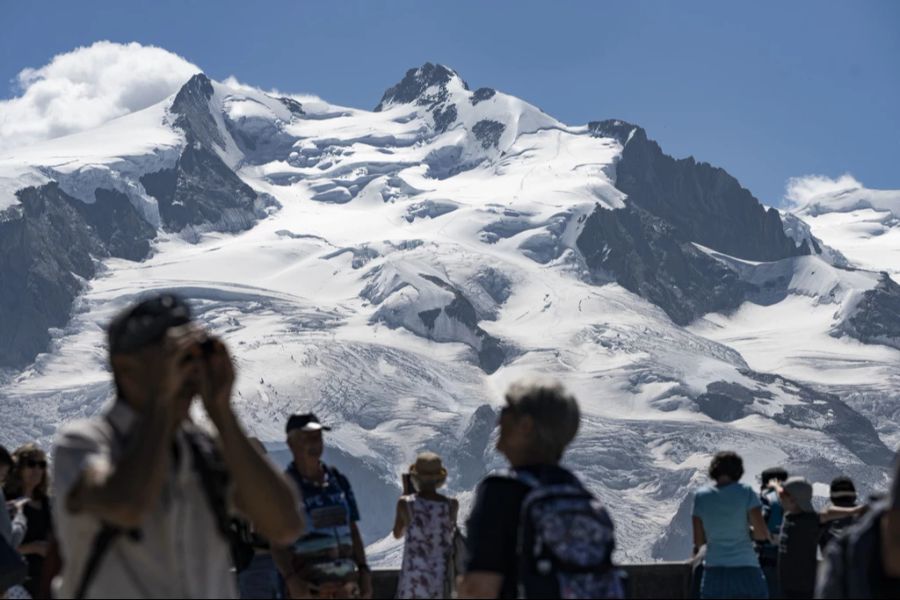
[(339, 478), (101, 544), (214, 477)]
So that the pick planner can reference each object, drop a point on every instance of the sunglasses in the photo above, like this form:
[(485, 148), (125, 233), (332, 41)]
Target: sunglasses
[(35, 464)]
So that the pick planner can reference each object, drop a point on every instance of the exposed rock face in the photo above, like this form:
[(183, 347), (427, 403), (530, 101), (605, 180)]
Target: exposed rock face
[(50, 242), (482, 94), (648, 246), (726, 401), (491, 353), (47, 252), (876, 319), (191, 104), (426, 86), (704, 203), (488, 132), (202, 191), (413, 87), (647, 256), (118, 224)]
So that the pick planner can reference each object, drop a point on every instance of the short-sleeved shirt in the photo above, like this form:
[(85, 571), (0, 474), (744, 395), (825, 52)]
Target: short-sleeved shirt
[(178, 552), (724, 513), (324, 553), (493, 526)]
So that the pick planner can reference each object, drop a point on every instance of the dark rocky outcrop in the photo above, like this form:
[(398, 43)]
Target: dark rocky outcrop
[(727, 401), (482, 94), (202, 191), (47, 250), (191, 105), (444, 117), (647, 256), (648, 246), (876, 319), (123, 231), (415, 83), (50, 240), (703, 203), (427, 87), (488, 132), (491, 353), (292, 105)]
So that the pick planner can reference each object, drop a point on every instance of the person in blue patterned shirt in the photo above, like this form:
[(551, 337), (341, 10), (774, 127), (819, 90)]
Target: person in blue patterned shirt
[(329, 560)]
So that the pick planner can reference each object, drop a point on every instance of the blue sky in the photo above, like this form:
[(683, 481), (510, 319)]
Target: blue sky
[(768, 90)]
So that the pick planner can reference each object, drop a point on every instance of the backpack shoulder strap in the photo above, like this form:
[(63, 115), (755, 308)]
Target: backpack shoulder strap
[(101, 544), (102, 541), (214, 477), (339, 478)]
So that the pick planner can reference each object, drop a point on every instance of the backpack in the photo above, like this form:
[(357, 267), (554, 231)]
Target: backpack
[(214, 479), (565, 543)]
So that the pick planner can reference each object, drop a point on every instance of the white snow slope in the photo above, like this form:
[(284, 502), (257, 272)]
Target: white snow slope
[(385, 216)]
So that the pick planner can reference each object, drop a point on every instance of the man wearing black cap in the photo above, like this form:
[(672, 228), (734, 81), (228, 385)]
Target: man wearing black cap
[(143, 495), (773, 513), (329, 560), (843, 494)]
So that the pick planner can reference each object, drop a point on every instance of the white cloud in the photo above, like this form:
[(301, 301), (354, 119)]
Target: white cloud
[(816, 194), (88, 86), (802, 191)]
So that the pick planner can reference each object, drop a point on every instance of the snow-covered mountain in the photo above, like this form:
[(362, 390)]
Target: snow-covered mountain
[(393, 270)]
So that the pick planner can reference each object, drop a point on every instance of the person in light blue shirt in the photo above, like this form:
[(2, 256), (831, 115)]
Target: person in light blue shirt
[(722, 513)]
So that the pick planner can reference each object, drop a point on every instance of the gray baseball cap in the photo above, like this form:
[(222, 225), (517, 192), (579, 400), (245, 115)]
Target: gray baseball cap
[(801, 491)]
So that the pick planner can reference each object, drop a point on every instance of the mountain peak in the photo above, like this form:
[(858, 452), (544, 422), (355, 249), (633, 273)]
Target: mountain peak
[(417, 82), (198, 86), (617, 129), (191, 104)]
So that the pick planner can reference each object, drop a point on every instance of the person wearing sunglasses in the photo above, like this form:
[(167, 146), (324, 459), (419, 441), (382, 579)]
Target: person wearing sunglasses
[(145, 497), (27, 486)]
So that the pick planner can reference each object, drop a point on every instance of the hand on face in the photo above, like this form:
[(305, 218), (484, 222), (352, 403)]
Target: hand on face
[(217, 379), (197, 363), (180, 373)]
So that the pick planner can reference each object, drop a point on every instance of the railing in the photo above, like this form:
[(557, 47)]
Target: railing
[(649, 580)]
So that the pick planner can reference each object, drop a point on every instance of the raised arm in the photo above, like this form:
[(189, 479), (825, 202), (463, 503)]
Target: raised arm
[(262, 494), (401, 518), (839, 512), (122, 494)]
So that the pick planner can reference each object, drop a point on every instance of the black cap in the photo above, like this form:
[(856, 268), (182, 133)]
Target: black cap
[(146, 322), (779, 473), (842, 484), (305, 422)]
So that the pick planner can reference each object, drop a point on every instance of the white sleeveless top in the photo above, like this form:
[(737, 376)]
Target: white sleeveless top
[(429, 539)]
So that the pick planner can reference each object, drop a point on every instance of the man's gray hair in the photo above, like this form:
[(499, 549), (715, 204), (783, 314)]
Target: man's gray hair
[(554, 411)]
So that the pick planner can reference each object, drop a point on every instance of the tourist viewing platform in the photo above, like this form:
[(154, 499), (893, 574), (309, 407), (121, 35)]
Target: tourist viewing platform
[(403, 299)]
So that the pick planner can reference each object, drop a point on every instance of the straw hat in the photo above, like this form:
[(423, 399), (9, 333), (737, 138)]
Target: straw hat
[(428, 469)]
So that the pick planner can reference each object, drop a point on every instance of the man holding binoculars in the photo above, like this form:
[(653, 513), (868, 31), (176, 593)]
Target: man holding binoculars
[(144, 497)]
